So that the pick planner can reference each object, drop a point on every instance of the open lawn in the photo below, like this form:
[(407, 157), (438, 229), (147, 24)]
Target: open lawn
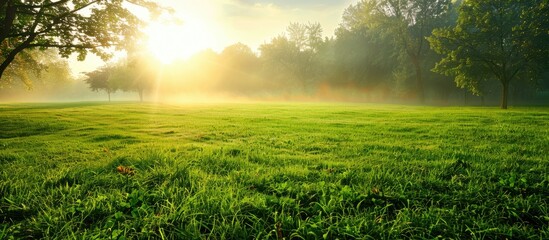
[(256, 171)]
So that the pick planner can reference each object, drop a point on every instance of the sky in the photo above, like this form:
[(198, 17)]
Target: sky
[(216, 24)]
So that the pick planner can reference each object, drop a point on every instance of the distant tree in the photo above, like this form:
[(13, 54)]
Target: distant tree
[(55, 73), (238, 55), (314, 36), (239, 68), (295, 56), (305, 36), (71, 26), (297, 33), (279, 60), (363, 57), (99, 80), (136, 74), (503, 40), (407, 22)]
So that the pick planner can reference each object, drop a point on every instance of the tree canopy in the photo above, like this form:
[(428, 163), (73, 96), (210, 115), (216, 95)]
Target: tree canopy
[(100, 80), (292, 56), (406, 23), (71, 26), (503, 40), (34, 68)]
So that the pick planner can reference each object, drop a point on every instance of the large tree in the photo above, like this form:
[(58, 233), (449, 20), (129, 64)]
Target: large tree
[(503, 40), (71, 26)]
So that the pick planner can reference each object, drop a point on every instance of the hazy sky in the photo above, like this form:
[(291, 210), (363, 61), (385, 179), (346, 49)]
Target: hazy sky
[(254, 21), (216, 24)]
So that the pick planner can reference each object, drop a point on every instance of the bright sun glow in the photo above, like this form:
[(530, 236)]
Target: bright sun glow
[(170, 41)]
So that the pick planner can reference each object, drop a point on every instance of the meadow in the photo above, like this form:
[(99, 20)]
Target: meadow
[(273, 171)]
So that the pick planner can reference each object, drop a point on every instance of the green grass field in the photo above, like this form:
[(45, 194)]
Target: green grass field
[(273, 171)]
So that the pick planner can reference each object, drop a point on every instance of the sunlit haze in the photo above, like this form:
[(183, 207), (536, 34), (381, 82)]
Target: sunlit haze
[(217, 24), (168, 42), (283, 50)]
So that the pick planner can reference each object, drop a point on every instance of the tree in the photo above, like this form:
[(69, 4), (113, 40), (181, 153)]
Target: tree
[(407, 22), (239, 56), (294, 56), (503, 40), (362, 56), (23, 67), (297, 33), (37, 68), (239, 67), (71, 26), (100, 80), (278, 59), (136, 73)]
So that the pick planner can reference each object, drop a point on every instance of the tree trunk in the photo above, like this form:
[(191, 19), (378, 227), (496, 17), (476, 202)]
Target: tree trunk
[(140, 91), (109, 94), (419, 82), (505, 94)]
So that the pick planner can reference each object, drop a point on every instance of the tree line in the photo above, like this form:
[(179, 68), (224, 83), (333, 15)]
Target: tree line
[(424, 51), (405, 50)]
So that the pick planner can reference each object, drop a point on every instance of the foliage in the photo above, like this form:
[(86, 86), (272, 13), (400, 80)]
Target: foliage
[(499, 40), (379, 53), (23, 65), (33, 67), (100, 80), (239, 69), (305, 36), (279, 59), (245, 171), (295, 57), (135, 74), (406, 23), (362, 57), (70, 26)]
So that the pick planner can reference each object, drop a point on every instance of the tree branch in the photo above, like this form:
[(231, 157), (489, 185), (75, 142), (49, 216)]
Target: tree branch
[(44, 5), (52, 45), (25, 44), (8, 20), (13, 53)]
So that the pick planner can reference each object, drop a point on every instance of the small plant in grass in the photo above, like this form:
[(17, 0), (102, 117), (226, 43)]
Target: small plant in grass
[(514, 183), (127, 172)]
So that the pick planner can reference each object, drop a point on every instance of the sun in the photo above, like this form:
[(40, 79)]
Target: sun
[(170, 41)]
